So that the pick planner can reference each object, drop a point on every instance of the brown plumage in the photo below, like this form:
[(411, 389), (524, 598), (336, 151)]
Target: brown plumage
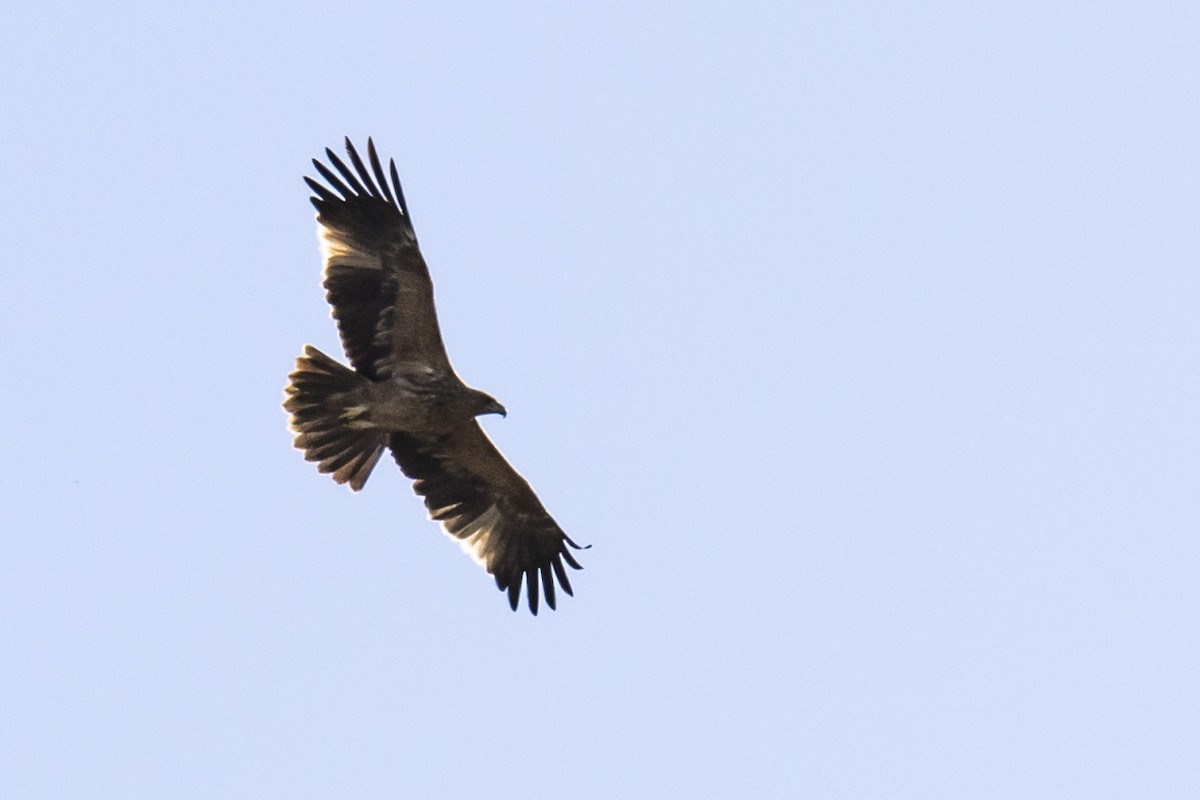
[(403, 394)]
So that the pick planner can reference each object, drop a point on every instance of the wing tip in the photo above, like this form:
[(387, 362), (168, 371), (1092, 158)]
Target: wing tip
[(539, 585), (361, 181)]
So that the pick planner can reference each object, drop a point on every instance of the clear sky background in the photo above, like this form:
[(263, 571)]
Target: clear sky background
[(859, 339)]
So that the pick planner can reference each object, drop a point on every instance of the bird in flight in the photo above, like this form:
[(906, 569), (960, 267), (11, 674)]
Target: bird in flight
[(403, 395)]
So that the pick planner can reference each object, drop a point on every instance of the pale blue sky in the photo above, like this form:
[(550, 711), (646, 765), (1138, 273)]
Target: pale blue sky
[(859, 339)]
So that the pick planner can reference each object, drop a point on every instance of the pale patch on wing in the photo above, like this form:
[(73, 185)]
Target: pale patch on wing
[(451, 510), (413, 374), (337, 252), (475, 536)]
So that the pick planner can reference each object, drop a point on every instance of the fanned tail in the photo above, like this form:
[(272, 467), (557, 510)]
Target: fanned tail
[(320, 420)]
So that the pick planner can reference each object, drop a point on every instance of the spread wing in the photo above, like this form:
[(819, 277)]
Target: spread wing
[(483, 502), (375, 277)]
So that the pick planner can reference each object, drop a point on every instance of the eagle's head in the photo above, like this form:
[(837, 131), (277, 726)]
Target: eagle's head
[(486, 404)]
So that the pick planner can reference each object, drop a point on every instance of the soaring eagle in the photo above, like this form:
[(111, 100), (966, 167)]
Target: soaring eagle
[(403, 394)]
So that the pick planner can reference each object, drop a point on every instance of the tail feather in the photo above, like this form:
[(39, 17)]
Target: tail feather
[(317, 418)]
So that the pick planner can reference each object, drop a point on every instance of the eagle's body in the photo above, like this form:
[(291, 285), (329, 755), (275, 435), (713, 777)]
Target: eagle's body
[(434, 404), (403, 394)]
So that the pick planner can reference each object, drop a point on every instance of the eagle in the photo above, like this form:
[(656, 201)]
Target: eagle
[(403, 395)]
